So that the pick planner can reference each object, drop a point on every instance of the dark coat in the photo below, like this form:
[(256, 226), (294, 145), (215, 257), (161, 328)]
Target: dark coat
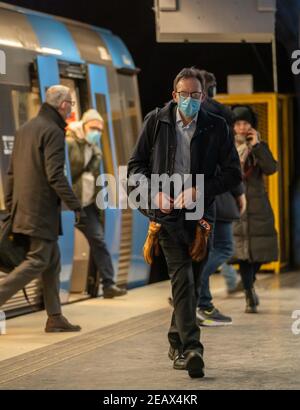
[(36, 181), (211, 147), (255, 235), (215, 107), (227, 209)]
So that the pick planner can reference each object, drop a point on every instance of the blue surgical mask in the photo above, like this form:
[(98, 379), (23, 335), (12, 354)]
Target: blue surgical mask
[(189, 106), (94, 137)]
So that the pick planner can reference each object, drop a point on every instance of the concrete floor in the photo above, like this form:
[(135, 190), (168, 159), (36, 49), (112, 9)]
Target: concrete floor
[(124, 346)]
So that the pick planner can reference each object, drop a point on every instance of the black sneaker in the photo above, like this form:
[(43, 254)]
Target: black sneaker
[(212, 318)]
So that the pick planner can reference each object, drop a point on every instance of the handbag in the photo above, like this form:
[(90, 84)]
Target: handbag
[(13, 247)]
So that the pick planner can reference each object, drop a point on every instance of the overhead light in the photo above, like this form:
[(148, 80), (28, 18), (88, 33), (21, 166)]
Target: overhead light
[(104, 53), (126, 60), (52, 51), (266, 5), (168, 5), (11, 43)]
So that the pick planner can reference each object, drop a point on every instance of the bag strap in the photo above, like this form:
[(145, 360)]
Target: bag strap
[(26, 296), (154, 135)]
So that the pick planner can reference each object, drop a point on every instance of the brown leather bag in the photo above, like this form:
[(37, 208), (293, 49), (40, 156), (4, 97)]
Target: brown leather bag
[(151, 247), (198, 250)]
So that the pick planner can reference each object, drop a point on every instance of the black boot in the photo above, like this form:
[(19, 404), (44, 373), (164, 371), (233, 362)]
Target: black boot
[(252, 301), (113, 291)]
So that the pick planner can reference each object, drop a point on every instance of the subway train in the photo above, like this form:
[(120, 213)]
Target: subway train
[(42, 50)]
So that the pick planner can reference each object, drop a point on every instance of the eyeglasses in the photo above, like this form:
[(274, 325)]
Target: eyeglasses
[(195, 95), (72, 103)]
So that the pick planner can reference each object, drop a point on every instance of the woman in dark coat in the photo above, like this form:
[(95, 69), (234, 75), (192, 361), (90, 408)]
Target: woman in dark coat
[(255, 234)]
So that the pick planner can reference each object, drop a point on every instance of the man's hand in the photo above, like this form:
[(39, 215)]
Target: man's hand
[(164, 202), (242, 204), (252, 137), (186, 199)]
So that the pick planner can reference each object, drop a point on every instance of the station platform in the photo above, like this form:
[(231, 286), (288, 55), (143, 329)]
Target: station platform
[(123, 345)]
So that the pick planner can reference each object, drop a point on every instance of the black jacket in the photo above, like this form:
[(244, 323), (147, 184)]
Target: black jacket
[(36, 181), (227, 209), (215, 107), (211, 148), (226, 205)]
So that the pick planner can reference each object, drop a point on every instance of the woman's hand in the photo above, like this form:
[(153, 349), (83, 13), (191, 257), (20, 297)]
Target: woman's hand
[(252, 137)]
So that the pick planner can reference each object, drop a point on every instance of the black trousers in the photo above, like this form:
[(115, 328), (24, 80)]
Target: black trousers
[(184, 334), (248, 272), (94, 233), (42, 259)]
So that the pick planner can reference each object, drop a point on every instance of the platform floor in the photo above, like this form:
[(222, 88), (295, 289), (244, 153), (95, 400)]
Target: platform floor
[(123, 344)]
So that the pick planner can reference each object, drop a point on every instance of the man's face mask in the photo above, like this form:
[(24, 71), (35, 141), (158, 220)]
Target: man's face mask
[(93, 137), (189, 106)]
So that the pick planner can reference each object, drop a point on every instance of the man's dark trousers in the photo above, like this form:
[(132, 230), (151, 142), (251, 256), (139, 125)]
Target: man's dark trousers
[(42, 259), (184, 334)]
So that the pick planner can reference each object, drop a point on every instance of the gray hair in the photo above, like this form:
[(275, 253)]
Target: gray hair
[(56, 95)]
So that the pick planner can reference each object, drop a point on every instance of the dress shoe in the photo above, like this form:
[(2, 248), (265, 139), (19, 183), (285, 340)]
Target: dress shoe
[(113, 292), (59, 324), (195, 365), (177, 358)]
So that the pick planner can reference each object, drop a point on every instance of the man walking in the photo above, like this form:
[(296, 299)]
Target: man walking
[(36, 186), (191, 141)]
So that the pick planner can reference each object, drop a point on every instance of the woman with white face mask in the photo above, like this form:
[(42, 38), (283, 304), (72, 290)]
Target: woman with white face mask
[(255, 235), (84, 142)]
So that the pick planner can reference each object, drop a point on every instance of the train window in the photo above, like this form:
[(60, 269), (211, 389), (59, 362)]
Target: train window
[(76, 112), (130, 108), (106, 146), (25, 106)]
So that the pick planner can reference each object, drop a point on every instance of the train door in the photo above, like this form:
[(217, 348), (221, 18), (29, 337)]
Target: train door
[(82, 267), (100, 100), (48, 75), (138, 274)]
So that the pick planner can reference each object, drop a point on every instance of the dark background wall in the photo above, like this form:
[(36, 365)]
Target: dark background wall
[(134, 22)]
